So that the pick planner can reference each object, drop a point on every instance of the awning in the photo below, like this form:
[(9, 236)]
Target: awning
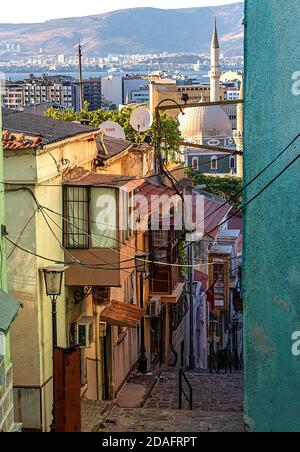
[(9, 307), (122, 314)]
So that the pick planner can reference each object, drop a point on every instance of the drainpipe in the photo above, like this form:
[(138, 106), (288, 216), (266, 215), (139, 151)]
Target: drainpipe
[(98, 358)]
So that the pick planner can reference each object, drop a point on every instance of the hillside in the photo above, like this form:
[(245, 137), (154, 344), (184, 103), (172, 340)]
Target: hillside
[(138, 30)]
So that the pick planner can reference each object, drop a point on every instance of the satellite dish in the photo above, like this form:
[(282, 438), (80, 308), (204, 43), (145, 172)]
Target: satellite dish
[(112, 129), (141, 119)]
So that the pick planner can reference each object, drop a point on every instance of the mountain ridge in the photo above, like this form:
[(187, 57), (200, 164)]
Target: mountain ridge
[(133, 30)]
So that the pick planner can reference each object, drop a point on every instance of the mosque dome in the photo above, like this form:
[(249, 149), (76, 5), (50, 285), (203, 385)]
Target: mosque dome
[(204, 122)]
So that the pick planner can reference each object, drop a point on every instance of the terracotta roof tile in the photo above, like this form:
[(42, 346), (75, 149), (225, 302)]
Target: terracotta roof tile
[(18, 141)]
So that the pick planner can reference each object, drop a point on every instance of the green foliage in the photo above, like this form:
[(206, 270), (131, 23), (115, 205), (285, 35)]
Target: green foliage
[(225, 187), (182, 256), (167, 139)]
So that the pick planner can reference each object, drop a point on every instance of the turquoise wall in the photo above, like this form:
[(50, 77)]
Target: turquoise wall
[(272, 222)]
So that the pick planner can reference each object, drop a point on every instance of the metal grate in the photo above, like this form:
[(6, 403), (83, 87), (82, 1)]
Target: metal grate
[(76, 212)]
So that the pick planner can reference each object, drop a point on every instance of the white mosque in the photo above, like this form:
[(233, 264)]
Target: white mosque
[(211, 126)]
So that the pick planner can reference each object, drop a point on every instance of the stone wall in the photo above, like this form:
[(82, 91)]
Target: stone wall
[(6, 399)]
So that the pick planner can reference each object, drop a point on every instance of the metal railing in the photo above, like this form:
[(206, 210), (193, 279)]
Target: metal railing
[(189, 398)]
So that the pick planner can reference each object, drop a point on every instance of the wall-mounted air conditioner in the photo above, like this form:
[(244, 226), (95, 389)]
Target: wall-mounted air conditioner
[(154, 309)]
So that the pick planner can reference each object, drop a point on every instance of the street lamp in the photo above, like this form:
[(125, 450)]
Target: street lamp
[(53, 277), (141, 269)]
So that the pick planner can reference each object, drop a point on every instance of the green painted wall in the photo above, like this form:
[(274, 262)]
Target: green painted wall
[(3, 269), (272, 222)]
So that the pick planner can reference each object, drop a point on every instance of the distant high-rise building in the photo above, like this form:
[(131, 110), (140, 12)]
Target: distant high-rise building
[(61, 59), (58, 90), (92, 93)]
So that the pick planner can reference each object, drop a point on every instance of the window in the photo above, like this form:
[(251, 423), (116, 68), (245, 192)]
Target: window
[(218, 279), (76, 212), (232, 163), (90, 217), (195, 164), (104, 218), (214, 163)]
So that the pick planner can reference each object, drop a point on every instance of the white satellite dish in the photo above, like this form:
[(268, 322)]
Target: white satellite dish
[(112, 129), (141, 119)]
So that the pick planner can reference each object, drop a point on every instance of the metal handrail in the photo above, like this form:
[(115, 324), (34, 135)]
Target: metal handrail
[(182, 376)]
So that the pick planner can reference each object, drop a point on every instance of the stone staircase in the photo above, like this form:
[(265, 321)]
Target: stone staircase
[(218, 407)]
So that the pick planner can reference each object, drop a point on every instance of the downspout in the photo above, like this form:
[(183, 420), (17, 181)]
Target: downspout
[(98, 357), (171, 341)]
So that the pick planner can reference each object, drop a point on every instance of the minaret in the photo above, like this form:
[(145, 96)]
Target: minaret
[(240, 131), (215, 72)]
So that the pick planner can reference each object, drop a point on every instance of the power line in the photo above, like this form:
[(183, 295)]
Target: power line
[(240, 191), (234, 196), (162, 263), (22, 232), (128, 179)]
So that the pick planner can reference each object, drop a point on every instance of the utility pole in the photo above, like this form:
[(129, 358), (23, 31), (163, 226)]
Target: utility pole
[(80, 77), (191, 299)]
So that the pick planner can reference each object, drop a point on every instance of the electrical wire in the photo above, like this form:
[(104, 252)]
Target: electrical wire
[(241, 208), (22, 232), (104, 262), (128, 179), (232, 198), (189, 244), (132, 258)]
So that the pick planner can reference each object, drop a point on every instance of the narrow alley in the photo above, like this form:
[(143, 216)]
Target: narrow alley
[(217, 407)]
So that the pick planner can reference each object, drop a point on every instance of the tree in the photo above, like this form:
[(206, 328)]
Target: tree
[(167, 139), (225, 187)]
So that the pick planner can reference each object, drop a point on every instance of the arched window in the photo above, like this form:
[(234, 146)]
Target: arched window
[(195, 164), (232, 163), (214, 163)]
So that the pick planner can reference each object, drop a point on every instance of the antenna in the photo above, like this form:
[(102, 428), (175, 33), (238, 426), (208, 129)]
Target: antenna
[(112, 129), (141, 119), (80, 77)]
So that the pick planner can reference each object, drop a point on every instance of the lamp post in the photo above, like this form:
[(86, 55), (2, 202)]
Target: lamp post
[(141, 269), (53, 277)]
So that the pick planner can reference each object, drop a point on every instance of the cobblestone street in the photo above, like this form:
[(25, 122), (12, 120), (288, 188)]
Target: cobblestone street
[(211, 392), (218, 407)]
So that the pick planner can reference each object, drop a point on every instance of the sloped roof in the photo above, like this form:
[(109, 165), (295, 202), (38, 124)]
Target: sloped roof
[(113, 146), (51, 130), (18, 141)]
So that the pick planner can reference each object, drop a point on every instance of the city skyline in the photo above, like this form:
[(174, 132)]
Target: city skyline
[(30, 12)]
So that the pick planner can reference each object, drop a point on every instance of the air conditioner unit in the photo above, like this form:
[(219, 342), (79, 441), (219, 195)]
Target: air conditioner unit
[(82, 333), (154, 307)]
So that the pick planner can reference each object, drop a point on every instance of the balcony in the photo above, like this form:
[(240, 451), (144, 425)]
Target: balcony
[(97, 233), (165, 280)]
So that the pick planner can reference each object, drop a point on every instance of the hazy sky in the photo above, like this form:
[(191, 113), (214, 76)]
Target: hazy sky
[(37, 11)]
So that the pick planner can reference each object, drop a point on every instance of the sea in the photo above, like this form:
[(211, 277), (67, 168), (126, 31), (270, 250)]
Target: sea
[(15, 76)]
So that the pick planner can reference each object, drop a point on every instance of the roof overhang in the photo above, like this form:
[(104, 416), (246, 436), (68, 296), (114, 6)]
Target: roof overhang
[(122, 314), (9, 308)]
